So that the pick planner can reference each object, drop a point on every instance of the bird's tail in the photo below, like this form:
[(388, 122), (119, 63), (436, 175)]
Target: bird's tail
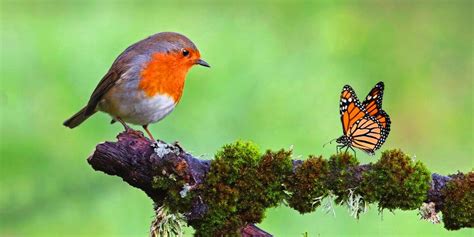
[(77, 118)]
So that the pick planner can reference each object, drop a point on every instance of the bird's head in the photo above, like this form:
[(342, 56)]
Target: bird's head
[(177, 49), (170, 56)]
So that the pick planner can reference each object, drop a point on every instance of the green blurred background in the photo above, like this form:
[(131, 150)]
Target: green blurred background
[(277, 71)]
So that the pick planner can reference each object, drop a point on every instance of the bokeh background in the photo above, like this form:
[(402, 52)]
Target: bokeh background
[(277, 71)]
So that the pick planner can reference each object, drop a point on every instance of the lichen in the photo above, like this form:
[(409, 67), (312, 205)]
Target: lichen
[(240, 185), (428, 212), (459, 202), (396, 181), (167, 223), (163, 149), (308, 186)]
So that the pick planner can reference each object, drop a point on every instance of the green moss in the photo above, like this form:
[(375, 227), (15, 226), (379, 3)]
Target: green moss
[(342, 175), (272, 172), (396, 181), (459, 202), (240, 185), (308, 185)]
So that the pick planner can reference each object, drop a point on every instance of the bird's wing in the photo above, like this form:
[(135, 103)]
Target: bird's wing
[(107, 82), (119, 67)]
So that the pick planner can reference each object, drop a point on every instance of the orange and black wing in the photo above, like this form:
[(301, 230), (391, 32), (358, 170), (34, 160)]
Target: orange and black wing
[(373, 105), (350, 108), (384, 120), (373, 101), (367, 134)]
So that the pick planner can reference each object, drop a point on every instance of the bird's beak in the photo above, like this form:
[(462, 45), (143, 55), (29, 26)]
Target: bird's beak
[(202, 63)]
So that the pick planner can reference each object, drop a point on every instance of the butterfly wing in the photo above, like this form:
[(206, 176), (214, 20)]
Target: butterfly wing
[(373, 101), (350, 108), (367, 134), (373, 105), (384, 120)]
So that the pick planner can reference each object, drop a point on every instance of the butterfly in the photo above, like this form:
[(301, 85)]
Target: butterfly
[(365, 125)]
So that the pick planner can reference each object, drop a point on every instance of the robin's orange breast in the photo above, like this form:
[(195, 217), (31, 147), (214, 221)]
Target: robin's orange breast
[(164, 74)]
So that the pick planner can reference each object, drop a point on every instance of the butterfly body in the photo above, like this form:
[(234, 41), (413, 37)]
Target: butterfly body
[(365, 125), (345, 141)]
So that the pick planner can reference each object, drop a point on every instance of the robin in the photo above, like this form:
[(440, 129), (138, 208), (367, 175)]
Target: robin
[(145, 82)]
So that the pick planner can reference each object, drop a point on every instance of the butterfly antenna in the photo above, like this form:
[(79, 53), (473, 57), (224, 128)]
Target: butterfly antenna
[(329, 142)]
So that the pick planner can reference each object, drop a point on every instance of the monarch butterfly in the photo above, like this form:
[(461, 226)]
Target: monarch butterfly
[(365, 125)]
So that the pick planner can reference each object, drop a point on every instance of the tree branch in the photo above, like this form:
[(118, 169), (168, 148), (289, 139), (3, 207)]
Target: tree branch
[(137, 162), (133, 158)]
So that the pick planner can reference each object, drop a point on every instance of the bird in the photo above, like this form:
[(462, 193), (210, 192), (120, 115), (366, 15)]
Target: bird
[(365, 125), (144, 83)]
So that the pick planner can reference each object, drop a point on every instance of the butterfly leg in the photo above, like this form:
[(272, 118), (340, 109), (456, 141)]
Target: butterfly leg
[(347, 148), (355, 154), (338, 148)]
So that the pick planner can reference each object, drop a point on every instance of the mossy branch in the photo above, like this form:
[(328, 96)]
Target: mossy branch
[(227, 195)]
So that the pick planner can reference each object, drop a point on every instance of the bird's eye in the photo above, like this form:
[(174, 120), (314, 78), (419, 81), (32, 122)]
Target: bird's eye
[(185, 52)]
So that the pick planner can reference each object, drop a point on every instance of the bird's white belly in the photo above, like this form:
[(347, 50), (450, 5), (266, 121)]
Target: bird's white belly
[(149, 110), (136, 107)]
